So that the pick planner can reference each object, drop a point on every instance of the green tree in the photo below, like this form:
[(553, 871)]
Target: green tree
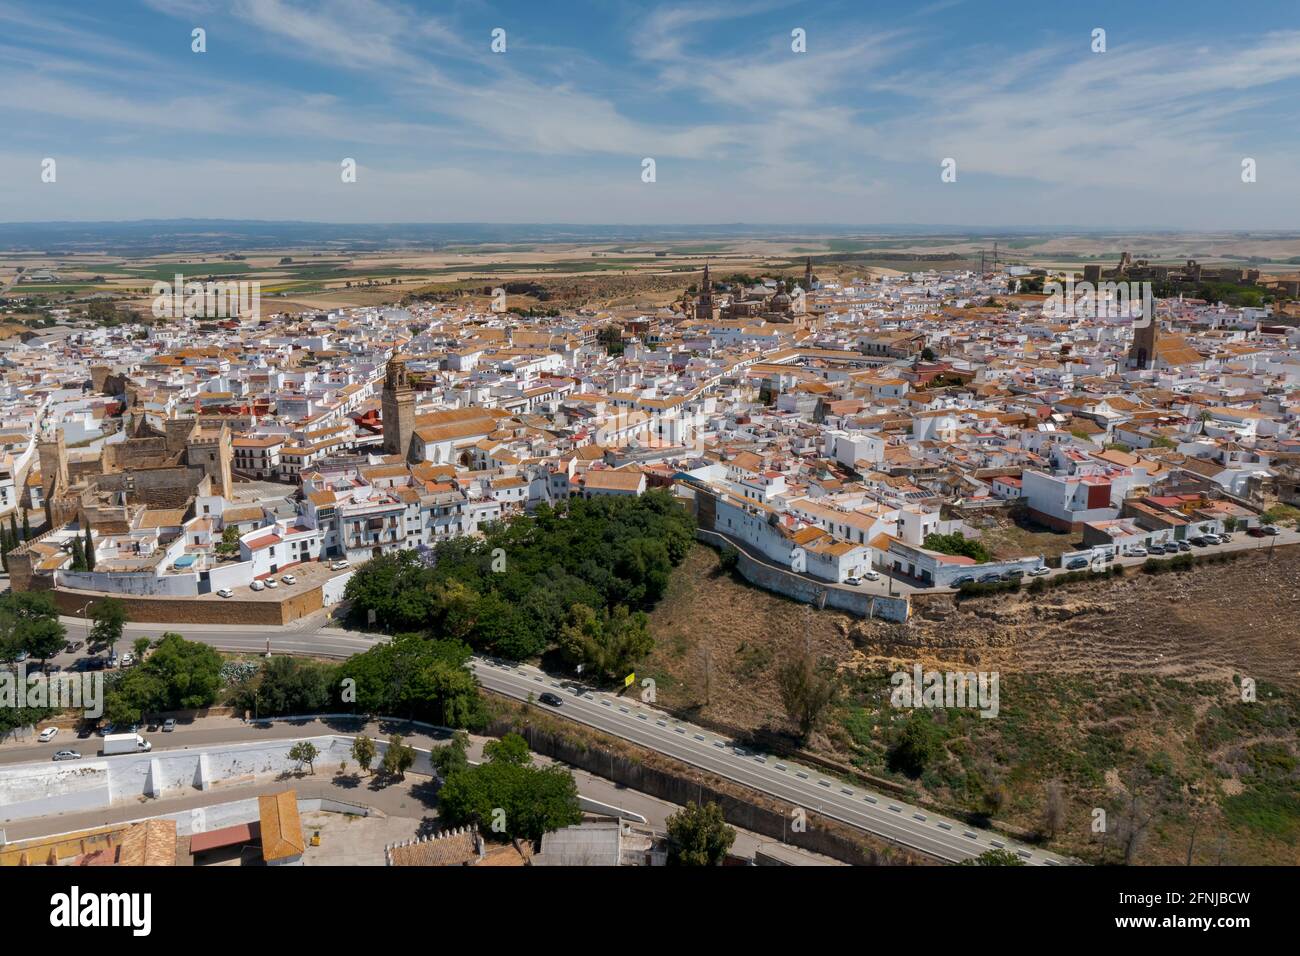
[(42, 638), (398, 757), (609, 645), (89, 550), (510, 748), (27, 528), (290, 685), (533, 800), (453, 757), (918, 744), (304, 752), (109, 616), (363, 751), (807, 688), (141, 647), (229, 544), (186, 675), (699, 836), (78, 555)]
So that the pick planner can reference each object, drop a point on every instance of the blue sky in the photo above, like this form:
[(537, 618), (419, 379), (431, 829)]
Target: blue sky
[(1150, 133)]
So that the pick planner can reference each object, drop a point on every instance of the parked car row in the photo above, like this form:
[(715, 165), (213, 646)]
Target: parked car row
[(867, 575)]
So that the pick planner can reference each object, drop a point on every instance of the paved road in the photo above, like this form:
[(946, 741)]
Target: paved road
[(395, 800), (643, 725), (873, 812)]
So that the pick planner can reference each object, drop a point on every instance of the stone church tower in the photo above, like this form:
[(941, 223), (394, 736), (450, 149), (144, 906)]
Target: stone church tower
[(704, 304), (1142, 354), (398, 409)]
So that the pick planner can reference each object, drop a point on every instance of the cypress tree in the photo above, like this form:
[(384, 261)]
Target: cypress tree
[(90, 551), (27, 528)]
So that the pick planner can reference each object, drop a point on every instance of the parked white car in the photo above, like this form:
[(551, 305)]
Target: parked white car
[(226, 593), (257, 586), (289, 579), (48, 734), (272, 583), (1040, 571), (871, 575)]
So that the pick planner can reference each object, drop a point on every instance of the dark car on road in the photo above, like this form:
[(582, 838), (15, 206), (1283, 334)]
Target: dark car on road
[(551, 700), (964, 579), (1077, 564), (1200, 542)]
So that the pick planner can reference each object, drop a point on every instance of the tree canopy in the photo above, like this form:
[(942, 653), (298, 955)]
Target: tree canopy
[(524, 800), (574, 580), (699, 836)]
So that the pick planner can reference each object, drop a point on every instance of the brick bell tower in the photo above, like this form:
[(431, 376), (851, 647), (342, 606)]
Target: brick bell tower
[(398, 409)]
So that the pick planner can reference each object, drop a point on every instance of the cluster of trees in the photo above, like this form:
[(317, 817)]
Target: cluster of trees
[(411, 676), (29, 621), (576, 580), (957, 543), (83, 553), (11, 537), (178, 675), (506, 794), (611, 336)]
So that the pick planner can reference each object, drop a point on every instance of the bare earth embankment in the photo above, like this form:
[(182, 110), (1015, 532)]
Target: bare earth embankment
[(1123, 696)]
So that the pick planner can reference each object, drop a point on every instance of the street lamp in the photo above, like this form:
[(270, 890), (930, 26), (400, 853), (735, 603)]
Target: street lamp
[(86, 618)]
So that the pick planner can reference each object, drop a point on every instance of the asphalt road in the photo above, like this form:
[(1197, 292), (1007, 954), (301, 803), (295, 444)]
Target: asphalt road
[(643, 725), (875, 813)]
